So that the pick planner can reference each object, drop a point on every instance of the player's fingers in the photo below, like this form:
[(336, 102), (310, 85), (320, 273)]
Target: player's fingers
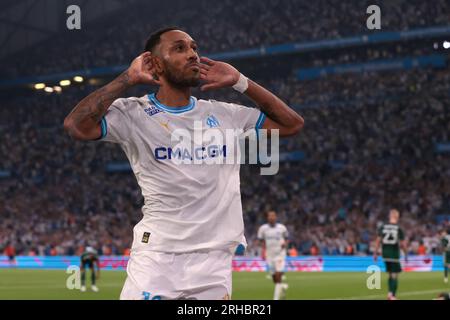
[(147, 55), (148, 64), (207, 61), (146, 72), (204, 67), (208, 87), (148, 77), (150, 69), (150, 81), (154, 80)]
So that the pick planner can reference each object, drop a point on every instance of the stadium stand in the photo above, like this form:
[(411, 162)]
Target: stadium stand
[(371, 139)]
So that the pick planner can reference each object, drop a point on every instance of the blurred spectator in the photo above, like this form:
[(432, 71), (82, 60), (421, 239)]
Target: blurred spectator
[(422, 250), (292, 252), (10, 252), (369, 139)]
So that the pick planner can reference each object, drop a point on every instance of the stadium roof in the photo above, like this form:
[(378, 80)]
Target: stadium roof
[(24, 23)]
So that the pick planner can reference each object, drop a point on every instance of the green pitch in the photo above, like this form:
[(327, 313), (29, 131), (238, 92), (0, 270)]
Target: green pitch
[(44, 284)]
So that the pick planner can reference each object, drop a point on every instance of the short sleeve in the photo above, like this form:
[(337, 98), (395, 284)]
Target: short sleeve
[(244, 117), (115, 124), (261, 233), (285, 233)]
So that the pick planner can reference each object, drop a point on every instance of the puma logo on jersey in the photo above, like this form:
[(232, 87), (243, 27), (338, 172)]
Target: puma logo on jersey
[(212, 121), (152, 110), (165, 125)]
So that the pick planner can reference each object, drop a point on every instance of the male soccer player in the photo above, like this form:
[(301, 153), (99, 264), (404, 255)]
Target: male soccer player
[(391, 237), (274, 239), (446, 252), (192, 214), (10, 252), (89, 259)]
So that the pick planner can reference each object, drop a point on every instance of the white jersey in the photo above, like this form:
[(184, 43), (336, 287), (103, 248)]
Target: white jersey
[(274, 237), (187, 207)]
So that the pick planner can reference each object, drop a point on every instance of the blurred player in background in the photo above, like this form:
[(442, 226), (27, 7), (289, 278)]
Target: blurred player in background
[(192, 214), (274, 239), (445, 240), (89, 259), (443, 296), (391, 238)]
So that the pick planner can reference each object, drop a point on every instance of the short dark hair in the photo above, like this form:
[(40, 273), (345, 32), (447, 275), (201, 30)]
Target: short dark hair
[(155, 37)]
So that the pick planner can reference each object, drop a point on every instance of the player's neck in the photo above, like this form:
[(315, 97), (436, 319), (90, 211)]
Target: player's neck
[(174, 97)]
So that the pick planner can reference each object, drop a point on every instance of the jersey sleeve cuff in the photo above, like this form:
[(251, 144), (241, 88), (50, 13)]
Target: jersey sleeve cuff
[(104, 128)]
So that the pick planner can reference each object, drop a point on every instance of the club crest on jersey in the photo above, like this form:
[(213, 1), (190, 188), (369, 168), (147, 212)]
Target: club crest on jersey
[(165, 125), (212, 121), (145, 237), (152, 110)]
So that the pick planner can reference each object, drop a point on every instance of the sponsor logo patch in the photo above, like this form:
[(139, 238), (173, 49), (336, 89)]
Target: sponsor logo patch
[(145, 237), (212, 122)]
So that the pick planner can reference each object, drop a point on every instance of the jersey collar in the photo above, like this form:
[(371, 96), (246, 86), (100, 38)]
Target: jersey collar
[(176, 110)]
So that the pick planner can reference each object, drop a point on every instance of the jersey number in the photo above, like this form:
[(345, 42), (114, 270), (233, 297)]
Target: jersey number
[(390, 236)]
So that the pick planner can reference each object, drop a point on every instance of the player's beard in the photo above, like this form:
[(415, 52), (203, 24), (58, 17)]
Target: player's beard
[(176, 78)]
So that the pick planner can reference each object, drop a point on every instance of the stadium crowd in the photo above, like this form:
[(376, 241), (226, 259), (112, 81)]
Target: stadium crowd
[(369, 139), (365, 151)]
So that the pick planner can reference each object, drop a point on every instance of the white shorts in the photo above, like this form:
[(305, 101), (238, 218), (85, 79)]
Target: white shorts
[(202, 275), (276, 264)]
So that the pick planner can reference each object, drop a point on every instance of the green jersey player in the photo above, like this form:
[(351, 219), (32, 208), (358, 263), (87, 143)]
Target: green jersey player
[(391, 238), (445, 241), (89, 258)]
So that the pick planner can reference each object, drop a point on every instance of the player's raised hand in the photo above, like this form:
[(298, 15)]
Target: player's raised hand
[(217, 74), (141, 70)]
